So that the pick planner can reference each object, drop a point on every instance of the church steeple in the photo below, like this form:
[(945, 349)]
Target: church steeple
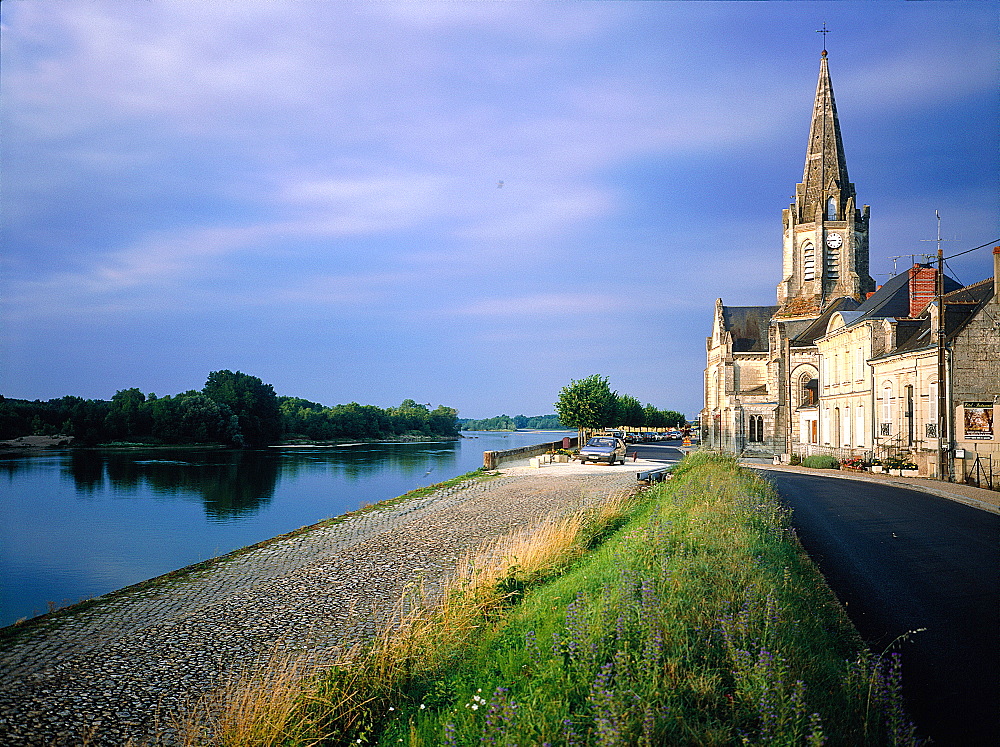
[(826, 236), (825, 174)]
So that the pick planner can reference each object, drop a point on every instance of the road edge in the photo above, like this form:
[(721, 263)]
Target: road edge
[(958, 497)]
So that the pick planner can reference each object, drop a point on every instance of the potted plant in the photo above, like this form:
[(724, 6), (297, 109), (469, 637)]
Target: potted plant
[(876, 466), (901, 466), (854, 463)]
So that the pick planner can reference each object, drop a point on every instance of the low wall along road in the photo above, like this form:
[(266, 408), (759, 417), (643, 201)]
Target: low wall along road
[(493, 459)]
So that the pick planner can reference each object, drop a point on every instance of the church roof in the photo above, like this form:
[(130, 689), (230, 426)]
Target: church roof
[(817, 328), (748, 326)]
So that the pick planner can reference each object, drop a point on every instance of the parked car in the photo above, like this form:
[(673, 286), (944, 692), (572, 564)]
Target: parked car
[(608, 449)]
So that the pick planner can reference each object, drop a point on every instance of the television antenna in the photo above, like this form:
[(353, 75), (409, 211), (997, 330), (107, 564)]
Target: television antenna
[(894, 260)]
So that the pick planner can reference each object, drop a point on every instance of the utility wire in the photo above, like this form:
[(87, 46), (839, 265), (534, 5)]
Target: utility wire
[(983, 309), (981, 246)]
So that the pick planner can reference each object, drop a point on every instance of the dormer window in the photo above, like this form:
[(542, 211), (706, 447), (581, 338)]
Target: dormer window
[(808, 262), (831, 209)]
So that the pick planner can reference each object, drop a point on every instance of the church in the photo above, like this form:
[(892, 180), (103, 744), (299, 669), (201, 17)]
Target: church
[(838, 366)]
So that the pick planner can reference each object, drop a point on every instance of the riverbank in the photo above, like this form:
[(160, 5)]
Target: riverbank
[(33, 444), (23, 626), (121, 668), (29, 444)]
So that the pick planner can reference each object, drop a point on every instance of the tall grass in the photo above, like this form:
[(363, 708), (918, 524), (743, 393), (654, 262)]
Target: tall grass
[(700, 621), (289, 702)]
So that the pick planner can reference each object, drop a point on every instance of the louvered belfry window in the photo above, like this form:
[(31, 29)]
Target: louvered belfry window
[(808, 262), (833, 263)]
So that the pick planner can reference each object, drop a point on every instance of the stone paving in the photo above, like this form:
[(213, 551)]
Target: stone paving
[(117, 672)]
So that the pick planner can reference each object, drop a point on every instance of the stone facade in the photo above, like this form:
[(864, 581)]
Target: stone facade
[(974, 384), (839, 367)]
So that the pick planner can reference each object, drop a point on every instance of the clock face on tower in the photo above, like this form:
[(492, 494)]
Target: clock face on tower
[(834, 240)]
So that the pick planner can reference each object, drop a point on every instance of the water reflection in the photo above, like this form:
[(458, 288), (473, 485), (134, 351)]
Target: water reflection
[(79, 523), (233, 483)]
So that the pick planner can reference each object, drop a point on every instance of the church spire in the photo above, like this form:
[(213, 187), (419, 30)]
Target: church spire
[(825, 174), (825, 254)]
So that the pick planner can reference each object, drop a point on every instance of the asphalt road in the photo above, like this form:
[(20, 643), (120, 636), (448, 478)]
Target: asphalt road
[(901, 560), (669, 451)]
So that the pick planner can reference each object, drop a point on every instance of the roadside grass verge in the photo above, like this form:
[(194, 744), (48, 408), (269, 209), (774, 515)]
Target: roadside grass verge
[(688, 615)]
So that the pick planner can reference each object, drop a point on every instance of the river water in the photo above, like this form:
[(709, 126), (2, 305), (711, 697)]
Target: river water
[(75, 524)]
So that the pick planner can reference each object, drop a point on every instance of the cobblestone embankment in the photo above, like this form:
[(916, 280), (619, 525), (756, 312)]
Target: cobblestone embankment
[(119, 670)]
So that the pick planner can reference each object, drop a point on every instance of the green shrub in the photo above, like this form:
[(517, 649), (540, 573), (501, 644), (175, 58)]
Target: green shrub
[(819, 461)]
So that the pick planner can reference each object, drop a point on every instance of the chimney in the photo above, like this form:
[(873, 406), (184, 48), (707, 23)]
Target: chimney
[(923, 286), (996, 274)]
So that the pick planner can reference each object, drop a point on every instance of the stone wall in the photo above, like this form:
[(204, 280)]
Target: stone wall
[(975, 370), (493, 459)]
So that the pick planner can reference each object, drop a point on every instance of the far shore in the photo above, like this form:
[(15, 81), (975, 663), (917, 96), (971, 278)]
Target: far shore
[(35, 444)]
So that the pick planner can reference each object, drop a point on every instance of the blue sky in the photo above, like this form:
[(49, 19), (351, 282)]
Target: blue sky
[(310, 191)]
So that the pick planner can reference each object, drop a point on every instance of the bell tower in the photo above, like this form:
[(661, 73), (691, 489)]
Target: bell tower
[(825, 252)]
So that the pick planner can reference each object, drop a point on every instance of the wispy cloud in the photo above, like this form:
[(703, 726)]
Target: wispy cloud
[(492, 170)]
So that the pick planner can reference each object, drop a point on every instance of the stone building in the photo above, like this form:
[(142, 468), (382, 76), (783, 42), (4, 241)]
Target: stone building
[(906, 379), (762, 361), (839, 367)]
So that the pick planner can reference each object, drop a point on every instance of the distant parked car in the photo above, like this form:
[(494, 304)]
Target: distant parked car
[(608, 449)]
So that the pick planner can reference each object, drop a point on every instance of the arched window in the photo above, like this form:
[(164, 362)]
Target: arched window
[(808, 390), (831, 209), (885, 425), (756, 429), (931, 426), (808, 262)]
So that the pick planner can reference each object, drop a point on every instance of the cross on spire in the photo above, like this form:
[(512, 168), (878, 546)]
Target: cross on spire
[(824, 31)]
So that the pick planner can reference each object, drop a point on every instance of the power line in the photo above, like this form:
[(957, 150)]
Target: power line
[(983, 310), (981, 246)]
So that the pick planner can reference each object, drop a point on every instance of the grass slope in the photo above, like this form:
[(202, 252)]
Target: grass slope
[(689, 616)]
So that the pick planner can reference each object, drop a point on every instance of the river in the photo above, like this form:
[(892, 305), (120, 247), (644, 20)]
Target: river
[(78, 523)]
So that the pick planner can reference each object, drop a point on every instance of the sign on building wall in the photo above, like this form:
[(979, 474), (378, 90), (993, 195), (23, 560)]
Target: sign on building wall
[(978, 421)]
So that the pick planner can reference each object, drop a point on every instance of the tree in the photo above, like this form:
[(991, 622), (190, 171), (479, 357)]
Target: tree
[(410, 417), (444, 421), (630, 412), (673, 419), (587, 404), (192, 417), (128, 417), (252, 401)]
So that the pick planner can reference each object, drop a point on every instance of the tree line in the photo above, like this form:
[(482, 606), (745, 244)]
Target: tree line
[(319, 423), (234, 409), (508, 423), (590, 404)]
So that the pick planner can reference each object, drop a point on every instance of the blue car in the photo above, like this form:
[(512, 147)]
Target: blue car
[(603, 449)]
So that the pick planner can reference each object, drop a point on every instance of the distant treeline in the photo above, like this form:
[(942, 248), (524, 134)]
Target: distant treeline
[(316, 422), (508, 423), (234, 409)]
